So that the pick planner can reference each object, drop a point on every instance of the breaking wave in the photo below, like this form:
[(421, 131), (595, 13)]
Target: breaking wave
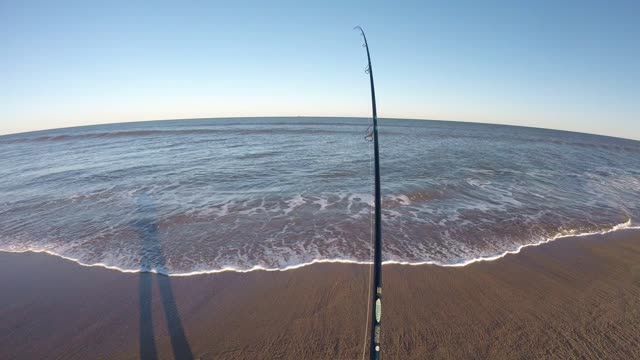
[(622, 226)]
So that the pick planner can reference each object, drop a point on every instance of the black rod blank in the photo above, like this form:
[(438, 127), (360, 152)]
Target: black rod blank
[(376, 309)]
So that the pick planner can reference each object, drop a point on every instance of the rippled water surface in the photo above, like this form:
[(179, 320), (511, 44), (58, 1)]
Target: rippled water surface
[(204, 195)]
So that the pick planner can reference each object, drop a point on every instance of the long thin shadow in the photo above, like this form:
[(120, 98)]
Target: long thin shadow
[(152, 257)]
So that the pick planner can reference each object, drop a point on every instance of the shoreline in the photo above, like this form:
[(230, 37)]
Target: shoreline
[(618, 227), (564, 299)]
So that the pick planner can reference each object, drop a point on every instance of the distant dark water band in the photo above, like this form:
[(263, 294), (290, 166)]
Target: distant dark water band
[(387, 130), (108, 135)]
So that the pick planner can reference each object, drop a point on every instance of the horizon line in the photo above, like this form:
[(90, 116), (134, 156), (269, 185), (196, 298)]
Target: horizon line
[(312, 116)]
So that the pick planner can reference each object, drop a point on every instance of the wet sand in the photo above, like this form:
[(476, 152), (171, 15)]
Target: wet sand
[(572, 298)]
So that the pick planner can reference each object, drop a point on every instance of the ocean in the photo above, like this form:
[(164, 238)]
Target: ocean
[(185, 197)]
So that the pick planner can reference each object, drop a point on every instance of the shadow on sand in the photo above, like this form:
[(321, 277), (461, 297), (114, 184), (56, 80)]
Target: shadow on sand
[(152, 257)]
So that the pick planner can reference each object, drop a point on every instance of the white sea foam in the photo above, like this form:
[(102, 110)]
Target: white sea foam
[(293, 203), (322, 202), (622, 226)]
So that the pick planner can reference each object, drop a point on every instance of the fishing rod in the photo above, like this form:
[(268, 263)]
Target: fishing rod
[(376, 300)]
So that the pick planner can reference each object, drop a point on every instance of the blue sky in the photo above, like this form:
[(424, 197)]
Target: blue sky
[(557, 64)]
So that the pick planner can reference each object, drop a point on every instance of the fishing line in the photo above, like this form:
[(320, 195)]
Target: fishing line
[(369, 139)]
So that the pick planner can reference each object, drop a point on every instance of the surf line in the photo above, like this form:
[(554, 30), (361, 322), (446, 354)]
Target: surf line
[(376, 299), (627, 225)]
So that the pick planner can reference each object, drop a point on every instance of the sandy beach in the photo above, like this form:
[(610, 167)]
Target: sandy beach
[(569, 299)]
